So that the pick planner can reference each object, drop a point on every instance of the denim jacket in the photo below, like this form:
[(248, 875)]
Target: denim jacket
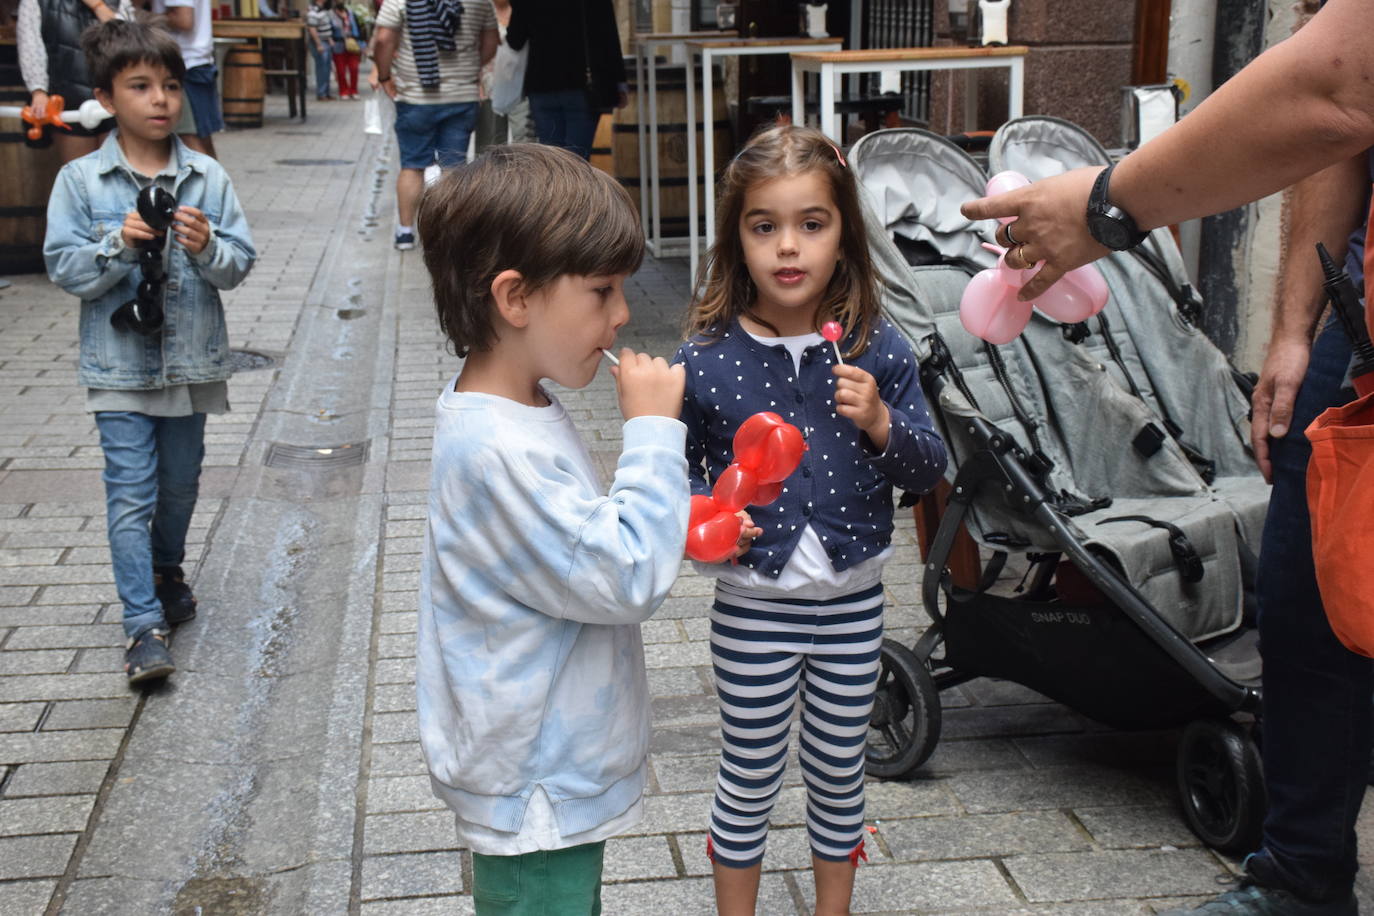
[(85, 255)]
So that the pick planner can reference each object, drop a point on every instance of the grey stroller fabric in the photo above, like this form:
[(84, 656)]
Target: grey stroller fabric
[(1070, 403)]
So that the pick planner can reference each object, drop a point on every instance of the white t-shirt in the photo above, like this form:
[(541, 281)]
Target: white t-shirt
[(197, 45), (540, 830)]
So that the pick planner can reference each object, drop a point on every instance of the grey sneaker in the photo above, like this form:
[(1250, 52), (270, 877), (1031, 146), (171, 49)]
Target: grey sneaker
[(1252, 899), (405, 241), (147, 658)]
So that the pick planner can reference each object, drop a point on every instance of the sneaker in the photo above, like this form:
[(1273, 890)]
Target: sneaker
[(405, 241), (147, 658), (1252, 899), (178, 604)]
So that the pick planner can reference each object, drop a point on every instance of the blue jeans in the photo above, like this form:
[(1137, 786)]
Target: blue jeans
[(1316, 712), (323, 63), (563, 119), (425, 133), (152, 478)]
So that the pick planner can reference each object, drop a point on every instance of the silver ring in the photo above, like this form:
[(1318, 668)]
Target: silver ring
[(1011, 239)]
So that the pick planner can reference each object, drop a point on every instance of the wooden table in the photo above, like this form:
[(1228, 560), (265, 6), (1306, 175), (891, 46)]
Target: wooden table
[(646, 45), (829, 64), (707, 50), (292, 31)]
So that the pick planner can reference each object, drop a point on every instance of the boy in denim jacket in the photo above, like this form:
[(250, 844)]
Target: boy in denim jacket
[(154, 349)]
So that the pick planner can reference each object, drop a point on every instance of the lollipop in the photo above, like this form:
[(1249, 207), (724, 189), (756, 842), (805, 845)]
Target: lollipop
[(832, 331)]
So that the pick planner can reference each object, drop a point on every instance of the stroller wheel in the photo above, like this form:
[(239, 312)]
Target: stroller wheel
[(1222, 785), (905, 724)]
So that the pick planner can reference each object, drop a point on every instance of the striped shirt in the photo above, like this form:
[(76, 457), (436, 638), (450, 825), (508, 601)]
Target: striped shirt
[(458, 70), (318, 18)]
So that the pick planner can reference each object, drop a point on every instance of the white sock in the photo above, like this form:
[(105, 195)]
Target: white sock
[(402, 230)]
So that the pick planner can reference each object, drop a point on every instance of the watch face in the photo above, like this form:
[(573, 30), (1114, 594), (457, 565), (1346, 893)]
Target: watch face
[(1110, 232)]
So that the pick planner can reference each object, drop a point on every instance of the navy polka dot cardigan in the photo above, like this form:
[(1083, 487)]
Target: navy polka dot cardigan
[(844, 486)]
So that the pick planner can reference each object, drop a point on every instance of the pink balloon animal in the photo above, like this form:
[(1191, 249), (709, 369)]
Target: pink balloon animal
[(989, 308), (767, 451)]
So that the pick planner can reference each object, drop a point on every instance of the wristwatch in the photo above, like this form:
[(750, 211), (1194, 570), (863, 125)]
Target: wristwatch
[(1111, 225)]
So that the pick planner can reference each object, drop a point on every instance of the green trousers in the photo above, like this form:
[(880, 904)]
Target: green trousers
[(558, 882)]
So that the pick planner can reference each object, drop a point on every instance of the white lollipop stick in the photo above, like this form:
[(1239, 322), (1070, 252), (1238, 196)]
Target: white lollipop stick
[(611, 356)]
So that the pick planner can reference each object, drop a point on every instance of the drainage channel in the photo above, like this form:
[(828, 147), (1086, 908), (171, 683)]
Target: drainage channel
[(236, 791)]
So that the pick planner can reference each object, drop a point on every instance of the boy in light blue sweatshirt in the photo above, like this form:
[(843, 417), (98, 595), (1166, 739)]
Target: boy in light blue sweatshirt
[(532, 696)]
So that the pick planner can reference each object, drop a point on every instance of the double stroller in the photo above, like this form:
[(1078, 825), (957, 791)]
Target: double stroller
[(1109, 459)]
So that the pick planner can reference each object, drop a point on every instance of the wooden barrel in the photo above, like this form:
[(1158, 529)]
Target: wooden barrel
[(671, 94), (244, 86), (601, 146), (26, 177)]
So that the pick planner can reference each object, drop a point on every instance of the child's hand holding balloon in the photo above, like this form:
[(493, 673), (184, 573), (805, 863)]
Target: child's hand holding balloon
[(767, 451)]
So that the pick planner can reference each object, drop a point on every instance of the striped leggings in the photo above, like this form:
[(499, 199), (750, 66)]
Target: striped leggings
[(763, 651)]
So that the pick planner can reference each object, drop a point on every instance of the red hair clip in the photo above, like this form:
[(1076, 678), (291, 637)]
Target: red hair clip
[(840, 158)]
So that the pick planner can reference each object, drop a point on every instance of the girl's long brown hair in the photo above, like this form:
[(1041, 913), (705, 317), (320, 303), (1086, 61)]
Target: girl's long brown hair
[(852, 296)]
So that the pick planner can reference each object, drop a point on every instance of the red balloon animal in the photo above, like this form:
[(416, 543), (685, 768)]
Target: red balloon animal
[(767, 451)]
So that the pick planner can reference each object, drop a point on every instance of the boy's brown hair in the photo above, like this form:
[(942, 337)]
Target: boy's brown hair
[(539, 210), (114, 46)]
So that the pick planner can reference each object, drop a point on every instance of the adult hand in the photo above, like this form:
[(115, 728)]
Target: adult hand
[(136, 230), (372, 81), (389, 87), (1274, 396), (192, 229), (38, 101), (856, 397), (648, 386), (1051, 225)]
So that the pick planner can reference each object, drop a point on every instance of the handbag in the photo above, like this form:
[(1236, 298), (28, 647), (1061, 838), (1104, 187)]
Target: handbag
[(508, 77), (351, 45), (1340, 495)]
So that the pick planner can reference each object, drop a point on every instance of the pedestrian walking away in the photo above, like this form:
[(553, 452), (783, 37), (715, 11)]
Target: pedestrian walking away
[(428, 55)]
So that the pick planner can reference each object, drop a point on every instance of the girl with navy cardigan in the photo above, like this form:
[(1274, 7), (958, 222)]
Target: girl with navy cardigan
[(802, 601)]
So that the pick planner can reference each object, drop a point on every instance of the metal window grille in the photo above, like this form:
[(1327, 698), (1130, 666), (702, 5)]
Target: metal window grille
[(901, 24)]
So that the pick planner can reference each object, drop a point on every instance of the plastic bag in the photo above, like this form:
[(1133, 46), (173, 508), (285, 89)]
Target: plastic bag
[(508, 77), (372, 115)]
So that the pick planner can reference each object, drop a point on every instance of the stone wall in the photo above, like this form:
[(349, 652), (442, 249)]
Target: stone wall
[(1080, 58)]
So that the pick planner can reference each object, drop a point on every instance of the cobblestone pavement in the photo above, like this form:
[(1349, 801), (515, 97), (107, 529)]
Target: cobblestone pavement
[(1026, 807)]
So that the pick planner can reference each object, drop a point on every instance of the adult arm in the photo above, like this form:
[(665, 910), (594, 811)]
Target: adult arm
[(182, 16), (1299, 107), (487, 45), (517, 33), (33, 54), (1326, 207), (385, 41)]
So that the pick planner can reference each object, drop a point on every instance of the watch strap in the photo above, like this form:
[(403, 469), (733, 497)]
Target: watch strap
[(1099, 205)]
